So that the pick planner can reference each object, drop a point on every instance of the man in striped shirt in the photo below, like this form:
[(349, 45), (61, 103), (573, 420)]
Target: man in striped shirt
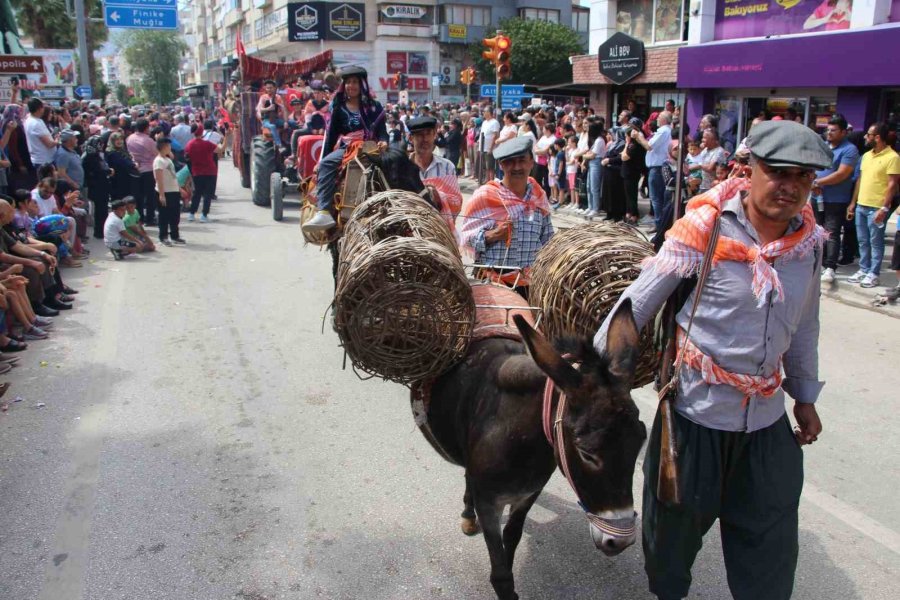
[(438, 174)]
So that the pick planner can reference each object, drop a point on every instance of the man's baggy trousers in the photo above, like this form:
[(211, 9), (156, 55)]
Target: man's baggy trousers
[(751, 482)]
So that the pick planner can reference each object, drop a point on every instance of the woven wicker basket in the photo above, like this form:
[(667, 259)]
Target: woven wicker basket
[(578, 277), (403, 306)]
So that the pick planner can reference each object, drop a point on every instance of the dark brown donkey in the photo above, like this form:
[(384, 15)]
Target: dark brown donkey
[(485, 415)]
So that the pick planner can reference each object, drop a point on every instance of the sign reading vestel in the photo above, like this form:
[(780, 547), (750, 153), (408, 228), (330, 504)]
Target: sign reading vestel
[(621, 58), (314, 21)]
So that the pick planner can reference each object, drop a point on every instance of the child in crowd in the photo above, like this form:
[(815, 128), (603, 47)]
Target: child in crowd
[(117, 239), (721, 173), (132, 221), (552, 178), (572, 168), (561, 180), (696, 175)]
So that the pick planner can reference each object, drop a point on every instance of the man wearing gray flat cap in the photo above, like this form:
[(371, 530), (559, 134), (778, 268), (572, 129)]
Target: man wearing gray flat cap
[(753, 336), (507, 221)]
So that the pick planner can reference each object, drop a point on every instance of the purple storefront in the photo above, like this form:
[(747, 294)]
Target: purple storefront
[(808, 75)]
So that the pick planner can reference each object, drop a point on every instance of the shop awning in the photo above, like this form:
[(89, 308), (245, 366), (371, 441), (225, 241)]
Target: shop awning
[(849, 59)]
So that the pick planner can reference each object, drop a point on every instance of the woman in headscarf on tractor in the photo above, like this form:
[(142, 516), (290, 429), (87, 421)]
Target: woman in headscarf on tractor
[(355, 117)]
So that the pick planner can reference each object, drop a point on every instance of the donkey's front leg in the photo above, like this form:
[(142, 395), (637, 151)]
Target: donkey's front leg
[(489, 517)]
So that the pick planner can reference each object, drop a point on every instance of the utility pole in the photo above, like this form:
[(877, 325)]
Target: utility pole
[(84, 68), (499, 109)]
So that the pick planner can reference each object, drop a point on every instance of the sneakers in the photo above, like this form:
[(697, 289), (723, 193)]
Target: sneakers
[(179, 241), (191, 217), (828, 275), (43, 321), (869, 281), (857, 277), (165, 242), (323, 221), (117, 254), (590, 214), (204, 219), (36, 333)]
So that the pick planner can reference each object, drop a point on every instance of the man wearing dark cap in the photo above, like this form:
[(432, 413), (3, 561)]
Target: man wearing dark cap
[(506, 222), (437, 173), (754, 337)]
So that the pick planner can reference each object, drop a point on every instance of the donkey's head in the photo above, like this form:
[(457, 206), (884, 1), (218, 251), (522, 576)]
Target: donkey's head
[(602, 433), (400, 172)]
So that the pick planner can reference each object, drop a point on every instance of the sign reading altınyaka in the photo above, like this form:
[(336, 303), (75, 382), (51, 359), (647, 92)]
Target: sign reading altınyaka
[(621, 58), (314, 21)]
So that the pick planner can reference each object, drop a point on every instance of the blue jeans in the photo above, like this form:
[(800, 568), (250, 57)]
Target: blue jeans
[(326, 180), (595, 181), (274, 127), (871, 239), (657, 187)]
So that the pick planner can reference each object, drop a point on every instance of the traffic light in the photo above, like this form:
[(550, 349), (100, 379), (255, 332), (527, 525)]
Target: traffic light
[(467, 75), (504, 54), (397, 80), (498, 54)]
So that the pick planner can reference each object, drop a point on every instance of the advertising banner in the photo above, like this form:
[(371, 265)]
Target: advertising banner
[(396, 62), (756, 18), (330, 21)]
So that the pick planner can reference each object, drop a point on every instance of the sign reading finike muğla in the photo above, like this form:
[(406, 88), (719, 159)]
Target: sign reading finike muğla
[(621, 58)]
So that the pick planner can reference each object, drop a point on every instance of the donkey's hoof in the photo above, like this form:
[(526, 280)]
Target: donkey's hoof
[(470, 527)]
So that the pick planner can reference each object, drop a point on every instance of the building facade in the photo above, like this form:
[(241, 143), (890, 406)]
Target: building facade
[(428, 40), (743, 58)]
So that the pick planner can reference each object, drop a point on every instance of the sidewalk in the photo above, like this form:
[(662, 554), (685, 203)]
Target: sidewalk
[(840, 290)]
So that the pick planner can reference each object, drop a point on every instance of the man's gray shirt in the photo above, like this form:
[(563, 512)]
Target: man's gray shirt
[(739, 336)]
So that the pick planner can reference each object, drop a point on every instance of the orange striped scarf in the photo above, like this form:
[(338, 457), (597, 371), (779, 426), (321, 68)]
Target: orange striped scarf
[(687, 240), (447, 187)]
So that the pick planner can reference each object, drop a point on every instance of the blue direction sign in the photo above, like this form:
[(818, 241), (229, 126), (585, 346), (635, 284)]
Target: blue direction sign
[(141, 14), (510, 95), (84, 91)]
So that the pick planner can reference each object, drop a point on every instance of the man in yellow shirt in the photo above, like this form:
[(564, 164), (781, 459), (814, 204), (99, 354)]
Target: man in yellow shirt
[(878, 183)]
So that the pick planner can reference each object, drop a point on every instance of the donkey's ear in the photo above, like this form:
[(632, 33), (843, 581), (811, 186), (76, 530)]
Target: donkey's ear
[(622, 340), (547, 358)]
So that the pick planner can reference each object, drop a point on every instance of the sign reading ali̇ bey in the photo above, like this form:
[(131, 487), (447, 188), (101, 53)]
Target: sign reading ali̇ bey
[(621, 58), (12, 64)]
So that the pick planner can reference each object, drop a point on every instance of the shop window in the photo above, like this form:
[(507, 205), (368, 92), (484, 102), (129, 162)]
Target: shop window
[(820, 111), (580, 19), (461, 14), (658, 99), (539, 14), (654, 21)]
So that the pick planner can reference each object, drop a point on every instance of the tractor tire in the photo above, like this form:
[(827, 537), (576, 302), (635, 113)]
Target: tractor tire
[(262, 162), (245, 170), (277, 187)]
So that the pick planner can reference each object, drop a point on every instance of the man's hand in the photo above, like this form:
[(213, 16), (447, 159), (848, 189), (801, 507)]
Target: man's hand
[(72, 196), (499, 233), (51, 260), (880, 216), (39, 266), (15, 269), (851, 210), (162, 199), (808, 424), (112, 172), (382, 146)]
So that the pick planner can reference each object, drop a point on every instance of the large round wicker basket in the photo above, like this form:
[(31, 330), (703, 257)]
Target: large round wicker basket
[(403, 306), (578, 277)]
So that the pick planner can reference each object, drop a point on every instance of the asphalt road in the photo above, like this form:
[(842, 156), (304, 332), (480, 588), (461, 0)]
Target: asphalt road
[(200, 440)]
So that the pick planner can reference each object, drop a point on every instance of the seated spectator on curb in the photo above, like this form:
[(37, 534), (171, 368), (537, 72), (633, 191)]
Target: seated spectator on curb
[(115, 236), (37, 264), (132, 221), (44, 197)]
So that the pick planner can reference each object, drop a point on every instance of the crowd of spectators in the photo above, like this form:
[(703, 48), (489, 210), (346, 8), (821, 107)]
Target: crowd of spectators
[(78, 170)]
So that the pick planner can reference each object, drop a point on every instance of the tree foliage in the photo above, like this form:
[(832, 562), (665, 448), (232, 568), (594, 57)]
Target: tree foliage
[(540, 52), (48, 24), (155, 58)]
